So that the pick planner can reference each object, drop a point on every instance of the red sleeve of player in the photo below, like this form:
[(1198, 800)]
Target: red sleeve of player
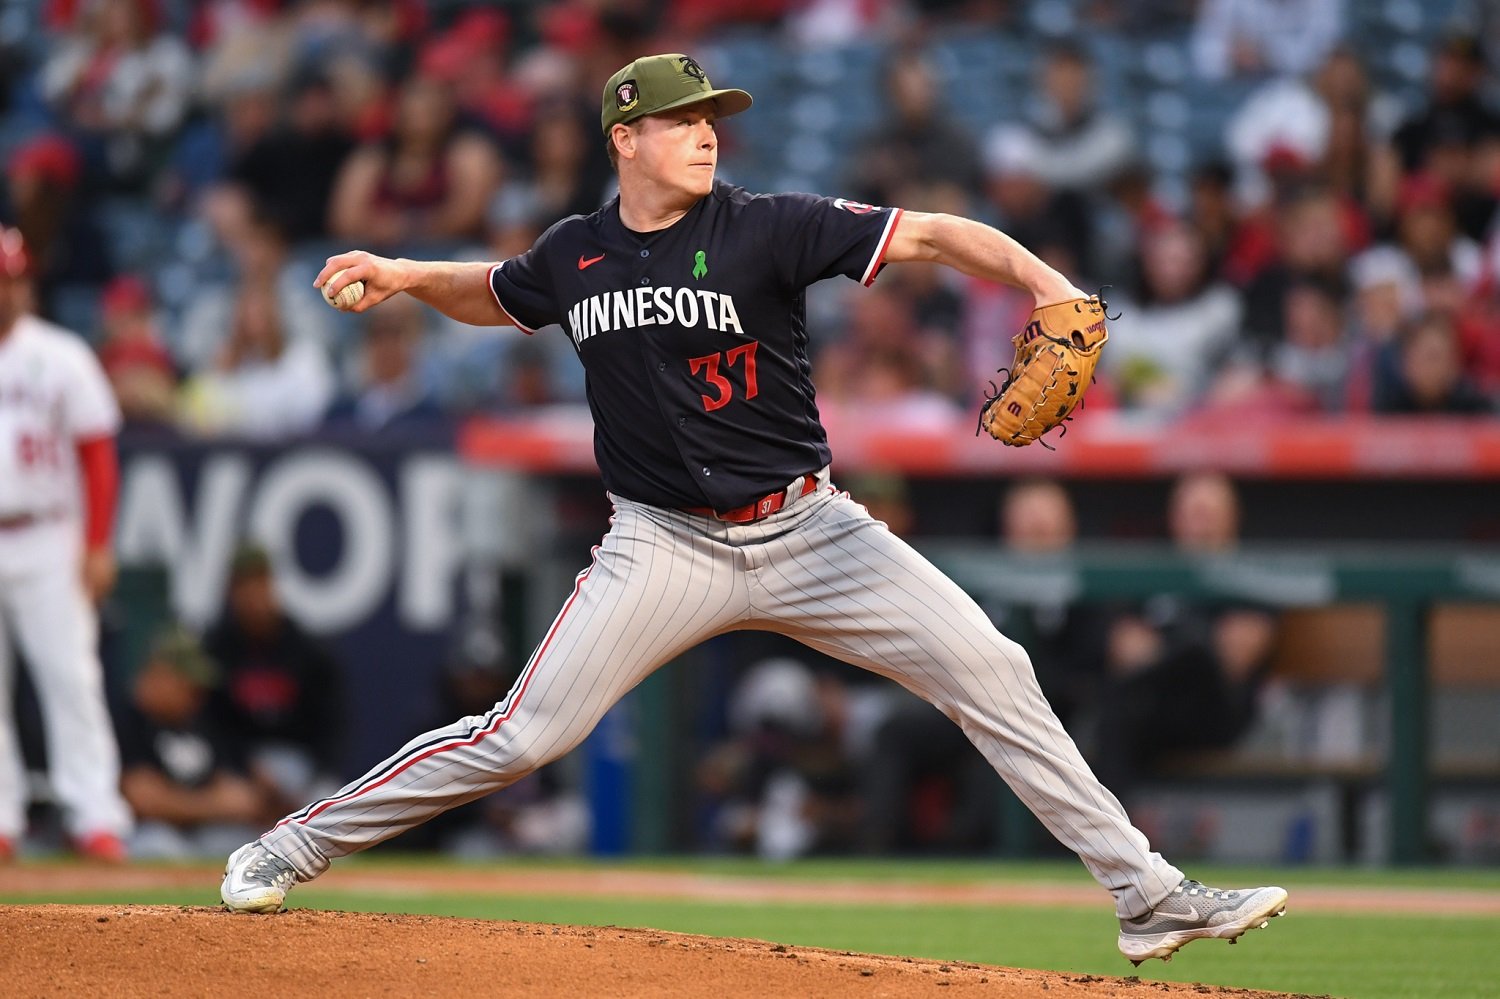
[(100, 469)]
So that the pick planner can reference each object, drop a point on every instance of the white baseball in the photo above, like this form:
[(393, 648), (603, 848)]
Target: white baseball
[(346, 299)]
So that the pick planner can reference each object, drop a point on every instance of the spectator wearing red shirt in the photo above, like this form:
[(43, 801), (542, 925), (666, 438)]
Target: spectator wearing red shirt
[(430, 182)]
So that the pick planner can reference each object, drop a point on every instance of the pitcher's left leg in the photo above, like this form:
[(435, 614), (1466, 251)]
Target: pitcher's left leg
[(845, 585)]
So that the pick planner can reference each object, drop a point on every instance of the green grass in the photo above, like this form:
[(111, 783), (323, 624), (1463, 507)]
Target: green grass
[(949, 871), (1370, 956)]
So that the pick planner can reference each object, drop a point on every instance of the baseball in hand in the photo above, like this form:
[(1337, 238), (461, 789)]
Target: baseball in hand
[(345, 299)]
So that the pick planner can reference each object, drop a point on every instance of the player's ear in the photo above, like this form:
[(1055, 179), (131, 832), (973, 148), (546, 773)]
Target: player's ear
[(623, 136)]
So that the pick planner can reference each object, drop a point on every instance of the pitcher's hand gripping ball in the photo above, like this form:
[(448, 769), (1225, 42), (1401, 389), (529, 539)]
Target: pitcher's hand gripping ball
[(347, 297), (1055, 359)]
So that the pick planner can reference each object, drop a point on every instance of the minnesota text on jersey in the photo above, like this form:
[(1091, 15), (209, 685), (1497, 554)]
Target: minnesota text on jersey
[(619, 310)]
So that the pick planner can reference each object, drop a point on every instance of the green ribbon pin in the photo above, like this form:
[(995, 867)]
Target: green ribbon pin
[(700, 264)]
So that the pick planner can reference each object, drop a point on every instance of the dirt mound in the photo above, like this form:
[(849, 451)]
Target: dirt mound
[(182, 950)]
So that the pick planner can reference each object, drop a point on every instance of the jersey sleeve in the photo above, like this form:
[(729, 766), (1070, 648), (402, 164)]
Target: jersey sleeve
[(523, 287), (829, 236), (89, 406)]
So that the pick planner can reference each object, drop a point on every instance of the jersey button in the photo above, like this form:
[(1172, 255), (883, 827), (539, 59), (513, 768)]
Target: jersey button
[(705, 470), (645, 253), (661, 365), (682, 421), (645, 280)]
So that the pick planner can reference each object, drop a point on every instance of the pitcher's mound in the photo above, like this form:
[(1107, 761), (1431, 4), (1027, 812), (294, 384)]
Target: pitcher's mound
[(190, 951)]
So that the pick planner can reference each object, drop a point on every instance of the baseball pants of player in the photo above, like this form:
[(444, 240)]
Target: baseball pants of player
[(45, 614), (821, 571)]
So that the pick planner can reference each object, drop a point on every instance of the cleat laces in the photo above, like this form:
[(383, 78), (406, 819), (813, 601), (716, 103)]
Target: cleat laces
[(1192, 887), (272, 872)]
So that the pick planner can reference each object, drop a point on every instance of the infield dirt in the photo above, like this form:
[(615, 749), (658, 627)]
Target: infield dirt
[(127, 951)]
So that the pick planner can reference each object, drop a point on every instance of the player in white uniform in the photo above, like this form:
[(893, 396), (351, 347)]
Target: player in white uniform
[(58, 480)]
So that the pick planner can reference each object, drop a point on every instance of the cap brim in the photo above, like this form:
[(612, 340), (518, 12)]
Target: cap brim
[(726, 103)]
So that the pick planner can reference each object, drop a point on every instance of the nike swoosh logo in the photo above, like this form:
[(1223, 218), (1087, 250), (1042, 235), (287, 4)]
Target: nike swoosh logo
[(1192, 919), (584, 264)]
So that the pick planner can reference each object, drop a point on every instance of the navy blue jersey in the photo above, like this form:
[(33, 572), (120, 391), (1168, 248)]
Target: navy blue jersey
[(694, 338)]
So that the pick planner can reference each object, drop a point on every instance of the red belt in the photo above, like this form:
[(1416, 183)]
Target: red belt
[(759, 509)]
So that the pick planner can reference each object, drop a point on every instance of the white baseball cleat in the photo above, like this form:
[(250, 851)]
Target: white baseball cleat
[(1193, 911), (256, 880)]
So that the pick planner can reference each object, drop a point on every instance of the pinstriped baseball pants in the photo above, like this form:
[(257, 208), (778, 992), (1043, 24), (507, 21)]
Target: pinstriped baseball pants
[(821, 571)]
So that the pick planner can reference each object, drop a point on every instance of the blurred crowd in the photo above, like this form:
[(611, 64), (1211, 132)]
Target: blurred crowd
[(1337, 254), (180, 168)]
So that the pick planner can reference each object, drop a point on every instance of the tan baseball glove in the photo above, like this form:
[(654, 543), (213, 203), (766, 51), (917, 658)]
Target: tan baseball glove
[(1055, 359)]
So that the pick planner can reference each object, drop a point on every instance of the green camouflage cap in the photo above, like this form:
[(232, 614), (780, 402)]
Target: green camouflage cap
[(660, 83), (177, 649), (250, 559)]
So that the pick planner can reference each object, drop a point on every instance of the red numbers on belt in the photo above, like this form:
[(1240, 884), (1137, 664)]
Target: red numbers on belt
[(723, 388)]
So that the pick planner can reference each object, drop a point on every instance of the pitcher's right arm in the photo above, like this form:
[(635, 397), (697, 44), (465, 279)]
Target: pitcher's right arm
[(459, 290)]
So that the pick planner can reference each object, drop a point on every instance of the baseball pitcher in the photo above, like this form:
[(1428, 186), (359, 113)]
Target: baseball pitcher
[(684, 301), (58, 478)]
